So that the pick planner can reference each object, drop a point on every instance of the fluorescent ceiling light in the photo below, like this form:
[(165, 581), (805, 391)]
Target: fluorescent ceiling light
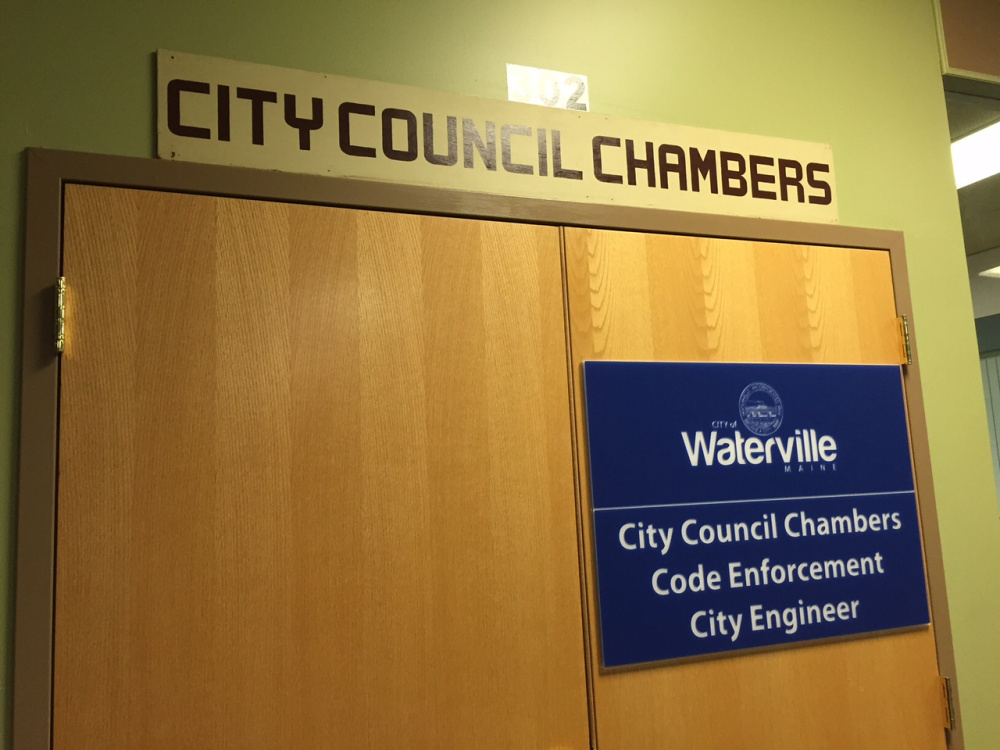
[(976, 156), (992, 273)]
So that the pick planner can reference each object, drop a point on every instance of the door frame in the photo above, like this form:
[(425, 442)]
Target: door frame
[(50, 171)]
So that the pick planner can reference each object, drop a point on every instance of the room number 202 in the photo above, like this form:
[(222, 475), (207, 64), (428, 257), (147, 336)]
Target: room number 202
[(547, 88)]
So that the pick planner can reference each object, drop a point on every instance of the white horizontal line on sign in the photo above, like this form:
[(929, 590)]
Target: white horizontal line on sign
[(758, 500)]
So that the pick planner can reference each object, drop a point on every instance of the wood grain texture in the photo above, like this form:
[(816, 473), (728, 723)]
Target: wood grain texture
[(657, 297), (316, 483)]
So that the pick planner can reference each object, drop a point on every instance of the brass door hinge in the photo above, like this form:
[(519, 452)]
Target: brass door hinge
[(60, 314), (905, 354), (947, 703)]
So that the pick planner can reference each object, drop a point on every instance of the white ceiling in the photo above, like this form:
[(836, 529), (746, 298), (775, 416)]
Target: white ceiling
[(980, 201)]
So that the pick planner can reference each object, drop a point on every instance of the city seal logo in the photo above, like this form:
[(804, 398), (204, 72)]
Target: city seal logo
[(760, 409)]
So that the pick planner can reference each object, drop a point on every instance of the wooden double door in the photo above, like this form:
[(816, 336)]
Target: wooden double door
[(322, 482)]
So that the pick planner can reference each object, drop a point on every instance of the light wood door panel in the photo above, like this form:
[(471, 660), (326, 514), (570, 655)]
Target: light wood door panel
[(655, 297), (315, 481)]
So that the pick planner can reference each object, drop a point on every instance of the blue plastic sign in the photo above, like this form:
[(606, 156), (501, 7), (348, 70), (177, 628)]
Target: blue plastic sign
[(738, 506)]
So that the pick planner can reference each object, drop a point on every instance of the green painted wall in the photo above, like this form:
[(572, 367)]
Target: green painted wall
[(860, 75), (988, 333)]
